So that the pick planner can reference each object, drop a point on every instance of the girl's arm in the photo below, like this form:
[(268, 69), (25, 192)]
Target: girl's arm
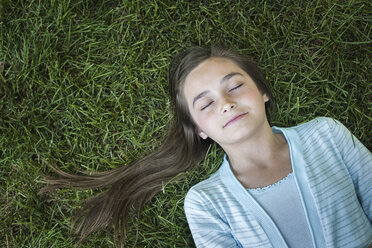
[(358, 160), (207, 227)]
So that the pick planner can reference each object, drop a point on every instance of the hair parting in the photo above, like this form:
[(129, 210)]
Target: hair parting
[(128, 188)]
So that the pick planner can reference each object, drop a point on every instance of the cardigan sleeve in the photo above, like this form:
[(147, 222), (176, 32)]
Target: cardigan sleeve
[(358, 160), (207, 227)]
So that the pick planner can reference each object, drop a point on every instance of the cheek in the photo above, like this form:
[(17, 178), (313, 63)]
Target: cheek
[(200, 121), (253, 98), (203, 121)]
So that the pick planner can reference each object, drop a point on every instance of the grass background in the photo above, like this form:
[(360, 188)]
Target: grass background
[(83, 85)]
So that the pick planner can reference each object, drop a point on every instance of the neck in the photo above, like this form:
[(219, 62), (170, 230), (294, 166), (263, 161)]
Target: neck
[(260, 151)]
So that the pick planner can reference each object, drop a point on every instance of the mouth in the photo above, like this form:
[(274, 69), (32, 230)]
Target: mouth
[(234, 119)]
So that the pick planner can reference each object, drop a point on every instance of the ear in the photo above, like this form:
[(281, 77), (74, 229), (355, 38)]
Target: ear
[(201, 133), (266, 98)]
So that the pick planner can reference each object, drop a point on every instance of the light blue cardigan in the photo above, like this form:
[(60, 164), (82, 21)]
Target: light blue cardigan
[(333, 174)]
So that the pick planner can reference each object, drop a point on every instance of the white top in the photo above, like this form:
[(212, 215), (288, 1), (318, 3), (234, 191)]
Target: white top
[(282, 203)]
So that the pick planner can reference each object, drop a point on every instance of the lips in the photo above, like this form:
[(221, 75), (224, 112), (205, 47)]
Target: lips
[(234, 119)]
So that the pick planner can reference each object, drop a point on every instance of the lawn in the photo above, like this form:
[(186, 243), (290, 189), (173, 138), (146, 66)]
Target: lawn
[(83, 86)]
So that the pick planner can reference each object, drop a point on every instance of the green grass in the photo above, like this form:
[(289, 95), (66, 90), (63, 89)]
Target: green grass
[(84, 87)]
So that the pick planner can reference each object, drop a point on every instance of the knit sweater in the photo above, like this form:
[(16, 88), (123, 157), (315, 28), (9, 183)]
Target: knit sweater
[(333, 175)]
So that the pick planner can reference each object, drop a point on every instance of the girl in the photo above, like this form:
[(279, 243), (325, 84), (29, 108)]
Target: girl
[(305, 186)]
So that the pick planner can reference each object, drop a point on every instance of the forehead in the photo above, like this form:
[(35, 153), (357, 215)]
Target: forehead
[(212, 68), (208, 72)]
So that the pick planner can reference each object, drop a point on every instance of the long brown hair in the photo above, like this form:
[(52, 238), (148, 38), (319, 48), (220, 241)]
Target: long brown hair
[(131, 186)]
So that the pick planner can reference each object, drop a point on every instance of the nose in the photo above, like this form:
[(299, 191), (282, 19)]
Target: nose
[(228, 105)]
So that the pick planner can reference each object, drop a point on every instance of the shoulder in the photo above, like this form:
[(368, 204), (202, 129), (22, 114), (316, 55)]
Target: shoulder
[(324, 126), (318, 122), (322, 131), (209, 191), (205, 188)]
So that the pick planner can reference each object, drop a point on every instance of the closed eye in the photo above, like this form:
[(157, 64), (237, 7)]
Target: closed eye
[(206, 106), (234, 88)]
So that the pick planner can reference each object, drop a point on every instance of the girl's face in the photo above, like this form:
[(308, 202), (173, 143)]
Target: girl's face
[(224, 101)]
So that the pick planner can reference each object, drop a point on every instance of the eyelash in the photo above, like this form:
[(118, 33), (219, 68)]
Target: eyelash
[(206, 105), (234, 88)]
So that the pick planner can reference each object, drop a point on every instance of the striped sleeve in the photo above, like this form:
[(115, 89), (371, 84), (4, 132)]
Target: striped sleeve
[(358, 160), (207, 228)]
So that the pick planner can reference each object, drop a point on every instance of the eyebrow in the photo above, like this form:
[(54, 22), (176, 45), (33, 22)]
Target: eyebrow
[(223, 80)]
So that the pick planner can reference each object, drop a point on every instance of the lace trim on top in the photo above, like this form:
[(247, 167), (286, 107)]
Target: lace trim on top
[(271, 186)]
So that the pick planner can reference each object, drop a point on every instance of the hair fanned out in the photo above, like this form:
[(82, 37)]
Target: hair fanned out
[(129, 187)]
